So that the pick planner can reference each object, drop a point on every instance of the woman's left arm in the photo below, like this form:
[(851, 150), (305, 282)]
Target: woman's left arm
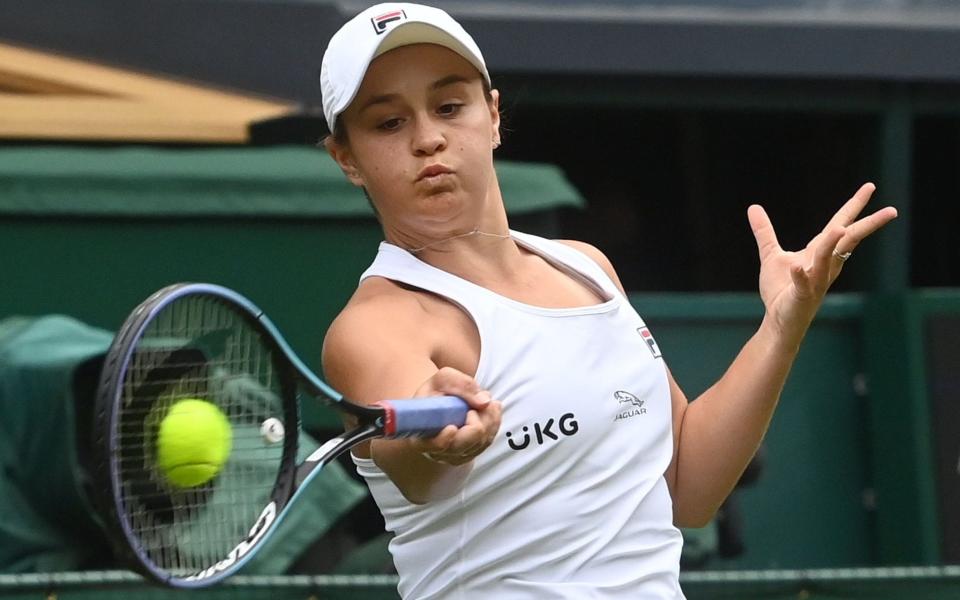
[(716, 436)]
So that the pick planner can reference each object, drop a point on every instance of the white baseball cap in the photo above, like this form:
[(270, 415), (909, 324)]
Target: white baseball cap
[(376, 30)]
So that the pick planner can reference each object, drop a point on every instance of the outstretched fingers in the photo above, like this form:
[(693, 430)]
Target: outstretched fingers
[(852, 208), (864, 228), (811, 270), (859, 229), (763, 231)]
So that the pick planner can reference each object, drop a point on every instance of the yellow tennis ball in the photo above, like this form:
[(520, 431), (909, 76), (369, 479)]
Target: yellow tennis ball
[(193, 442)]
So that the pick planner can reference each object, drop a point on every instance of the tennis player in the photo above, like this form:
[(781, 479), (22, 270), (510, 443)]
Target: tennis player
[(581, 455)]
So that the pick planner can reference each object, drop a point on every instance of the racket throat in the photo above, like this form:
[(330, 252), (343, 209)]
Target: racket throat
[(333, 448)]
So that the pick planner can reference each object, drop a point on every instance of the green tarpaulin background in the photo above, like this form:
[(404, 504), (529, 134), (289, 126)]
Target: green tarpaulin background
[(280, 181)]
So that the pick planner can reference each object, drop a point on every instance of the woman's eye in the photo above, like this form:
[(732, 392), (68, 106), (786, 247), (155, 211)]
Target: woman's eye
[(449, 109), (389, 124)]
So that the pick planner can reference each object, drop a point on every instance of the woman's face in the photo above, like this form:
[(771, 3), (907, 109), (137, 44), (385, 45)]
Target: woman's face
[(420, 137)]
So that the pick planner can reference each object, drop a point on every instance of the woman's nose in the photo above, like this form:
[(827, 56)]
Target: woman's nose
[(428, 137)]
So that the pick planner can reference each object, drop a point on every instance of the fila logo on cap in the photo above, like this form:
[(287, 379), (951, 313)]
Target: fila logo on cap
[(380, 23)]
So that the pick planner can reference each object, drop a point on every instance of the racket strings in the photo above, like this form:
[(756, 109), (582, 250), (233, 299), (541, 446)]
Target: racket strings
[(196, 348)]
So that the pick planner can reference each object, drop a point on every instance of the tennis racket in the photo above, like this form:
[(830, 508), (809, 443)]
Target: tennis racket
[(205, 342)]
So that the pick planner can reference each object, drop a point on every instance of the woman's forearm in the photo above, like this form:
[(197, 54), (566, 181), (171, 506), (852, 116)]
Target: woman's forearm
[(724, 426)]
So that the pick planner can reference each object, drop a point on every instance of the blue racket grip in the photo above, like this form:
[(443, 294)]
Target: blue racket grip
[(422, 416)]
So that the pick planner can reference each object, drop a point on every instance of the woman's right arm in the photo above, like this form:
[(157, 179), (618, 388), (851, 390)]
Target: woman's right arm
[(380, 349)]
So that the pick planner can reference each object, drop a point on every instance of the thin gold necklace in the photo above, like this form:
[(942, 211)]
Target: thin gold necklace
[(476, 231)]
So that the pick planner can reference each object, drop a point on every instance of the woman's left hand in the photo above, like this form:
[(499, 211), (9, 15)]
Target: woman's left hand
[(793, 284)]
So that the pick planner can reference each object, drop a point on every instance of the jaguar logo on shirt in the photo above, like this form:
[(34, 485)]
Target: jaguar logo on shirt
[(629, 405), (566, 426)]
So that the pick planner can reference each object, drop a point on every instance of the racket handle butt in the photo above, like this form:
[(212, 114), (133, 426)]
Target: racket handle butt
[(422, 416)]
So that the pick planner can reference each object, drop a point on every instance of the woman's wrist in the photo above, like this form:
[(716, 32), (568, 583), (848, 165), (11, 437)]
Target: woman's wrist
[(780, 337)]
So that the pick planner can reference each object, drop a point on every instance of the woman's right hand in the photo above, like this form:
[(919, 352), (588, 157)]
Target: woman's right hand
[(459, 445)]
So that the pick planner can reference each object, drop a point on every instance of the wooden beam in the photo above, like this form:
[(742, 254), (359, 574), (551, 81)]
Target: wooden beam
[(43, 96)]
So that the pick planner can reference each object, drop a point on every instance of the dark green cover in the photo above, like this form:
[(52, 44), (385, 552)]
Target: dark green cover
[(284, 181)]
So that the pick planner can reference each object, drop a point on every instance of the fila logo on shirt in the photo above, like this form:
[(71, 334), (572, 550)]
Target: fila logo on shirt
[(566, 426), (381, 23), (629, 405), (651, 343)]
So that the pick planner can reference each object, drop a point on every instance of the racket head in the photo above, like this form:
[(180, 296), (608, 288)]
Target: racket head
[(195, 341)]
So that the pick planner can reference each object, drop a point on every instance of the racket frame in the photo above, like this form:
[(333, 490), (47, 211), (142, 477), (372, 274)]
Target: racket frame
[(291, 479)]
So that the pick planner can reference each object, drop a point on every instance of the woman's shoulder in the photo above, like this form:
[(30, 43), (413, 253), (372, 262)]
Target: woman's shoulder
[(597, 256), (379, 322), (590, 250), (388, 315), (381, 303)]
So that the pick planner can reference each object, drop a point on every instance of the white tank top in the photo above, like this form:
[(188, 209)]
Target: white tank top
[(570, 500)]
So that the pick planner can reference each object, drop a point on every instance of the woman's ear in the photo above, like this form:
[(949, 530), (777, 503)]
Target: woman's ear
[(344, 158), (495, 117)]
